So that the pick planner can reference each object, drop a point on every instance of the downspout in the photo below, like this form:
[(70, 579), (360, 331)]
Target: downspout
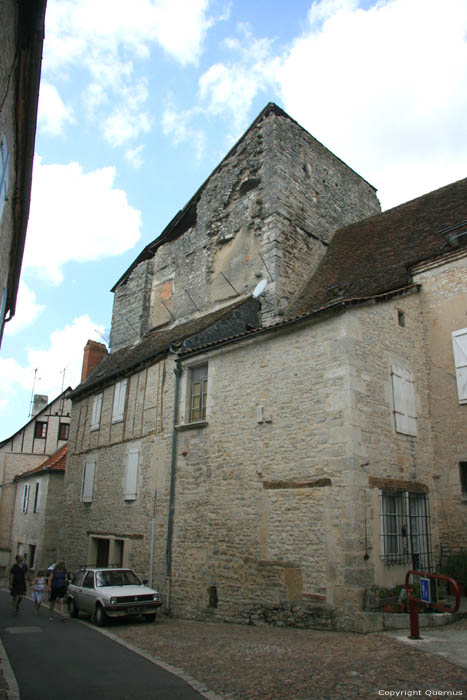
[(153, 537), (173, 464)]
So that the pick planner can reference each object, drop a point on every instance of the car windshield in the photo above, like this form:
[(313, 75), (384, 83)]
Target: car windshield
[(117, 578)]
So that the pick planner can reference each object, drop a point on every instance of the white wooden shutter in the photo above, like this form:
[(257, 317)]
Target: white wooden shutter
[(404, 401), (131, 474), (4, 159), (88, 480), (459, 347), (96, 412), (118, 408)]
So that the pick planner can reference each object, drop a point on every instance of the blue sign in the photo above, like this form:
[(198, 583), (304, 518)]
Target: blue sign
[(425, 592)]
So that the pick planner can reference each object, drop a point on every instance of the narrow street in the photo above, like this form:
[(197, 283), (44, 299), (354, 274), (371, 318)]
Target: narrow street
[(74, 661)]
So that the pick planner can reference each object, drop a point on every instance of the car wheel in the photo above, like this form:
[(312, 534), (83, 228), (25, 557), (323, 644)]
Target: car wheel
[(101, 617), (72, 607), (151, 617)]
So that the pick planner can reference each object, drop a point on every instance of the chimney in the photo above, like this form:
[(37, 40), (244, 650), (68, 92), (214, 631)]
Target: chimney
[(94, 353), (40, 401)]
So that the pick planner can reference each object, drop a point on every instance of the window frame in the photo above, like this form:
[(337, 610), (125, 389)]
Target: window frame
[(63, 427), (463, 478), (198, 374), (36, 497), (131, 474), (403, 393), (40, 426), (25, 499)]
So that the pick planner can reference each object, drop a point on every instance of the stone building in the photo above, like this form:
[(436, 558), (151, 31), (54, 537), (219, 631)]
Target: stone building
[(39, 513), (45, 433), (21, 39), (269, 451)]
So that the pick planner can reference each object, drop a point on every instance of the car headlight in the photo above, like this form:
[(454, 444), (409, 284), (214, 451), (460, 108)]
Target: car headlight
[(113, 601), (155, 596)]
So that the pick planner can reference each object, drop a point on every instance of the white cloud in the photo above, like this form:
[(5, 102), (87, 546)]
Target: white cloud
[(76, 216), (65, 351), (52, 113), (106, 38), (134, 157), (178, 125), (27, 310)]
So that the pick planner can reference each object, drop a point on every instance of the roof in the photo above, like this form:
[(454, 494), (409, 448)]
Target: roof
[(64, 395), (375, 255), (186, 217), (55, 463), (228, 320)]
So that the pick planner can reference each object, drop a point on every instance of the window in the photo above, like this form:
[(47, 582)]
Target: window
[(198, 393), (40, 429), (405, 529), (118, 409), (463, 477), (96, 411), (459, 348), (4, 159), (404, 401), (88, 580), (87, 487), (25, 499), (32, 555), (36, 498), (130, 488), (63, 431)]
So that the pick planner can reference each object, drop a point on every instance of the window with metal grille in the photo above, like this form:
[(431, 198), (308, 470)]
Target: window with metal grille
[(199, 393), (405, 529)]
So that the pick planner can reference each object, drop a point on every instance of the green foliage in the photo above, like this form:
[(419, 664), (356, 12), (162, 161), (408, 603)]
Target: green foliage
[(456, 566)]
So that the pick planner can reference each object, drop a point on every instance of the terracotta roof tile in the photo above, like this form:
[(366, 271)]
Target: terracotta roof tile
[(54, 463)]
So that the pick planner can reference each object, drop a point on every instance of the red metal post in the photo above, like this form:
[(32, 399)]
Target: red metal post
[(414, 622)]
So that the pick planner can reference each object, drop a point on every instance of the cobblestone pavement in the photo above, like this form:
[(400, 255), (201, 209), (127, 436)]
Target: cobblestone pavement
[(240, 662)]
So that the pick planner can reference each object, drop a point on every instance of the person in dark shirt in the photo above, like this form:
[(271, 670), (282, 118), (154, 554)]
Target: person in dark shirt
[(57, 588), (17, 582)]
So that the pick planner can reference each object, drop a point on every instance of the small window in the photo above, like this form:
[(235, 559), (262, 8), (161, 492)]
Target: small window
[(96, 411), (118, 408), (198, 393), (36, 497), (25, 499), (32, 555), (131, 474), (404, 401), (463, 477), (87, 487), (63, 431), (4, 160), (401, 318), (40, 429), (459, 348)]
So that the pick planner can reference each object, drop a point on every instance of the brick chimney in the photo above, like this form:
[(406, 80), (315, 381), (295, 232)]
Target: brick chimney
[(39, 403), (94, 353)]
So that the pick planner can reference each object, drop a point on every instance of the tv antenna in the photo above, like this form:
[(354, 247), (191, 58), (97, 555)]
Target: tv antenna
[(31, 403)]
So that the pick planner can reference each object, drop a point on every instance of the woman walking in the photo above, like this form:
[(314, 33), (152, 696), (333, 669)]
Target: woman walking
[(57, 588), (17, 582)]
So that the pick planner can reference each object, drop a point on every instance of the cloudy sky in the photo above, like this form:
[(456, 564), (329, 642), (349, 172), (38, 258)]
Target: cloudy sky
[(139, 102)]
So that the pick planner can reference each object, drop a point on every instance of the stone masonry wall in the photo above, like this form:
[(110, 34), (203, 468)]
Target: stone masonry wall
[(272, 513), (265, 213), (444, 303)]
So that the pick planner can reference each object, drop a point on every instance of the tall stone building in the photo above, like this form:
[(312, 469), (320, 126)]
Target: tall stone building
[(263, 441)]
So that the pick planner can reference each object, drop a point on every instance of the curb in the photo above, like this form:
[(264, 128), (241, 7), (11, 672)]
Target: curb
[(6, 674)]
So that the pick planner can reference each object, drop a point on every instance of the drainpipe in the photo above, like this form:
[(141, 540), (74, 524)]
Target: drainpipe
[(173, 464), (153, 537)]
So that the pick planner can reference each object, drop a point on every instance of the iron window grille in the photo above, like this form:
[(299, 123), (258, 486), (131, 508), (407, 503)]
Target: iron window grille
[(406, 529)]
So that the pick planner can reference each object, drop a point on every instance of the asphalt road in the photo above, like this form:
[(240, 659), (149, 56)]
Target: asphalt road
[(74, 661)]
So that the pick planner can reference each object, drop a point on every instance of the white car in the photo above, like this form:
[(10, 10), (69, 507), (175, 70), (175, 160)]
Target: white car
[(107, 592)]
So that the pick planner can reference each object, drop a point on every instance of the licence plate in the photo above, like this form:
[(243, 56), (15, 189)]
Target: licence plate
[(136, 610)]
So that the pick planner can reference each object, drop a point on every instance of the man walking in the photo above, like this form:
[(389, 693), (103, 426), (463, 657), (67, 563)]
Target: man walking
[(17, 582)]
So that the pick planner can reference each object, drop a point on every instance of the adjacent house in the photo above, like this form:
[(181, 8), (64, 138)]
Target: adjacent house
[(21, 39), (278, 424), (45, 433), (39, 513)]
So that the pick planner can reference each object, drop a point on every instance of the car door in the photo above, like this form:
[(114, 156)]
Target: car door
[(87, 593)]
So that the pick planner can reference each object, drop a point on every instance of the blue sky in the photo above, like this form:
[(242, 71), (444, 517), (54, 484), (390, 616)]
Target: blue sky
[(140, 101)]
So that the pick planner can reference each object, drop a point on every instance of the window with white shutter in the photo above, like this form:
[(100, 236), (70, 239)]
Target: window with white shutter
[(131, 474), (96, 411), (404, 401), (25, 500), (459, 348), (87, 488), (118, 408)]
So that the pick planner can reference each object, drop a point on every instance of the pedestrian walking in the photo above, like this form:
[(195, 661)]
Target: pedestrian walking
[(57, 588), (38, 590), (17, 582)]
